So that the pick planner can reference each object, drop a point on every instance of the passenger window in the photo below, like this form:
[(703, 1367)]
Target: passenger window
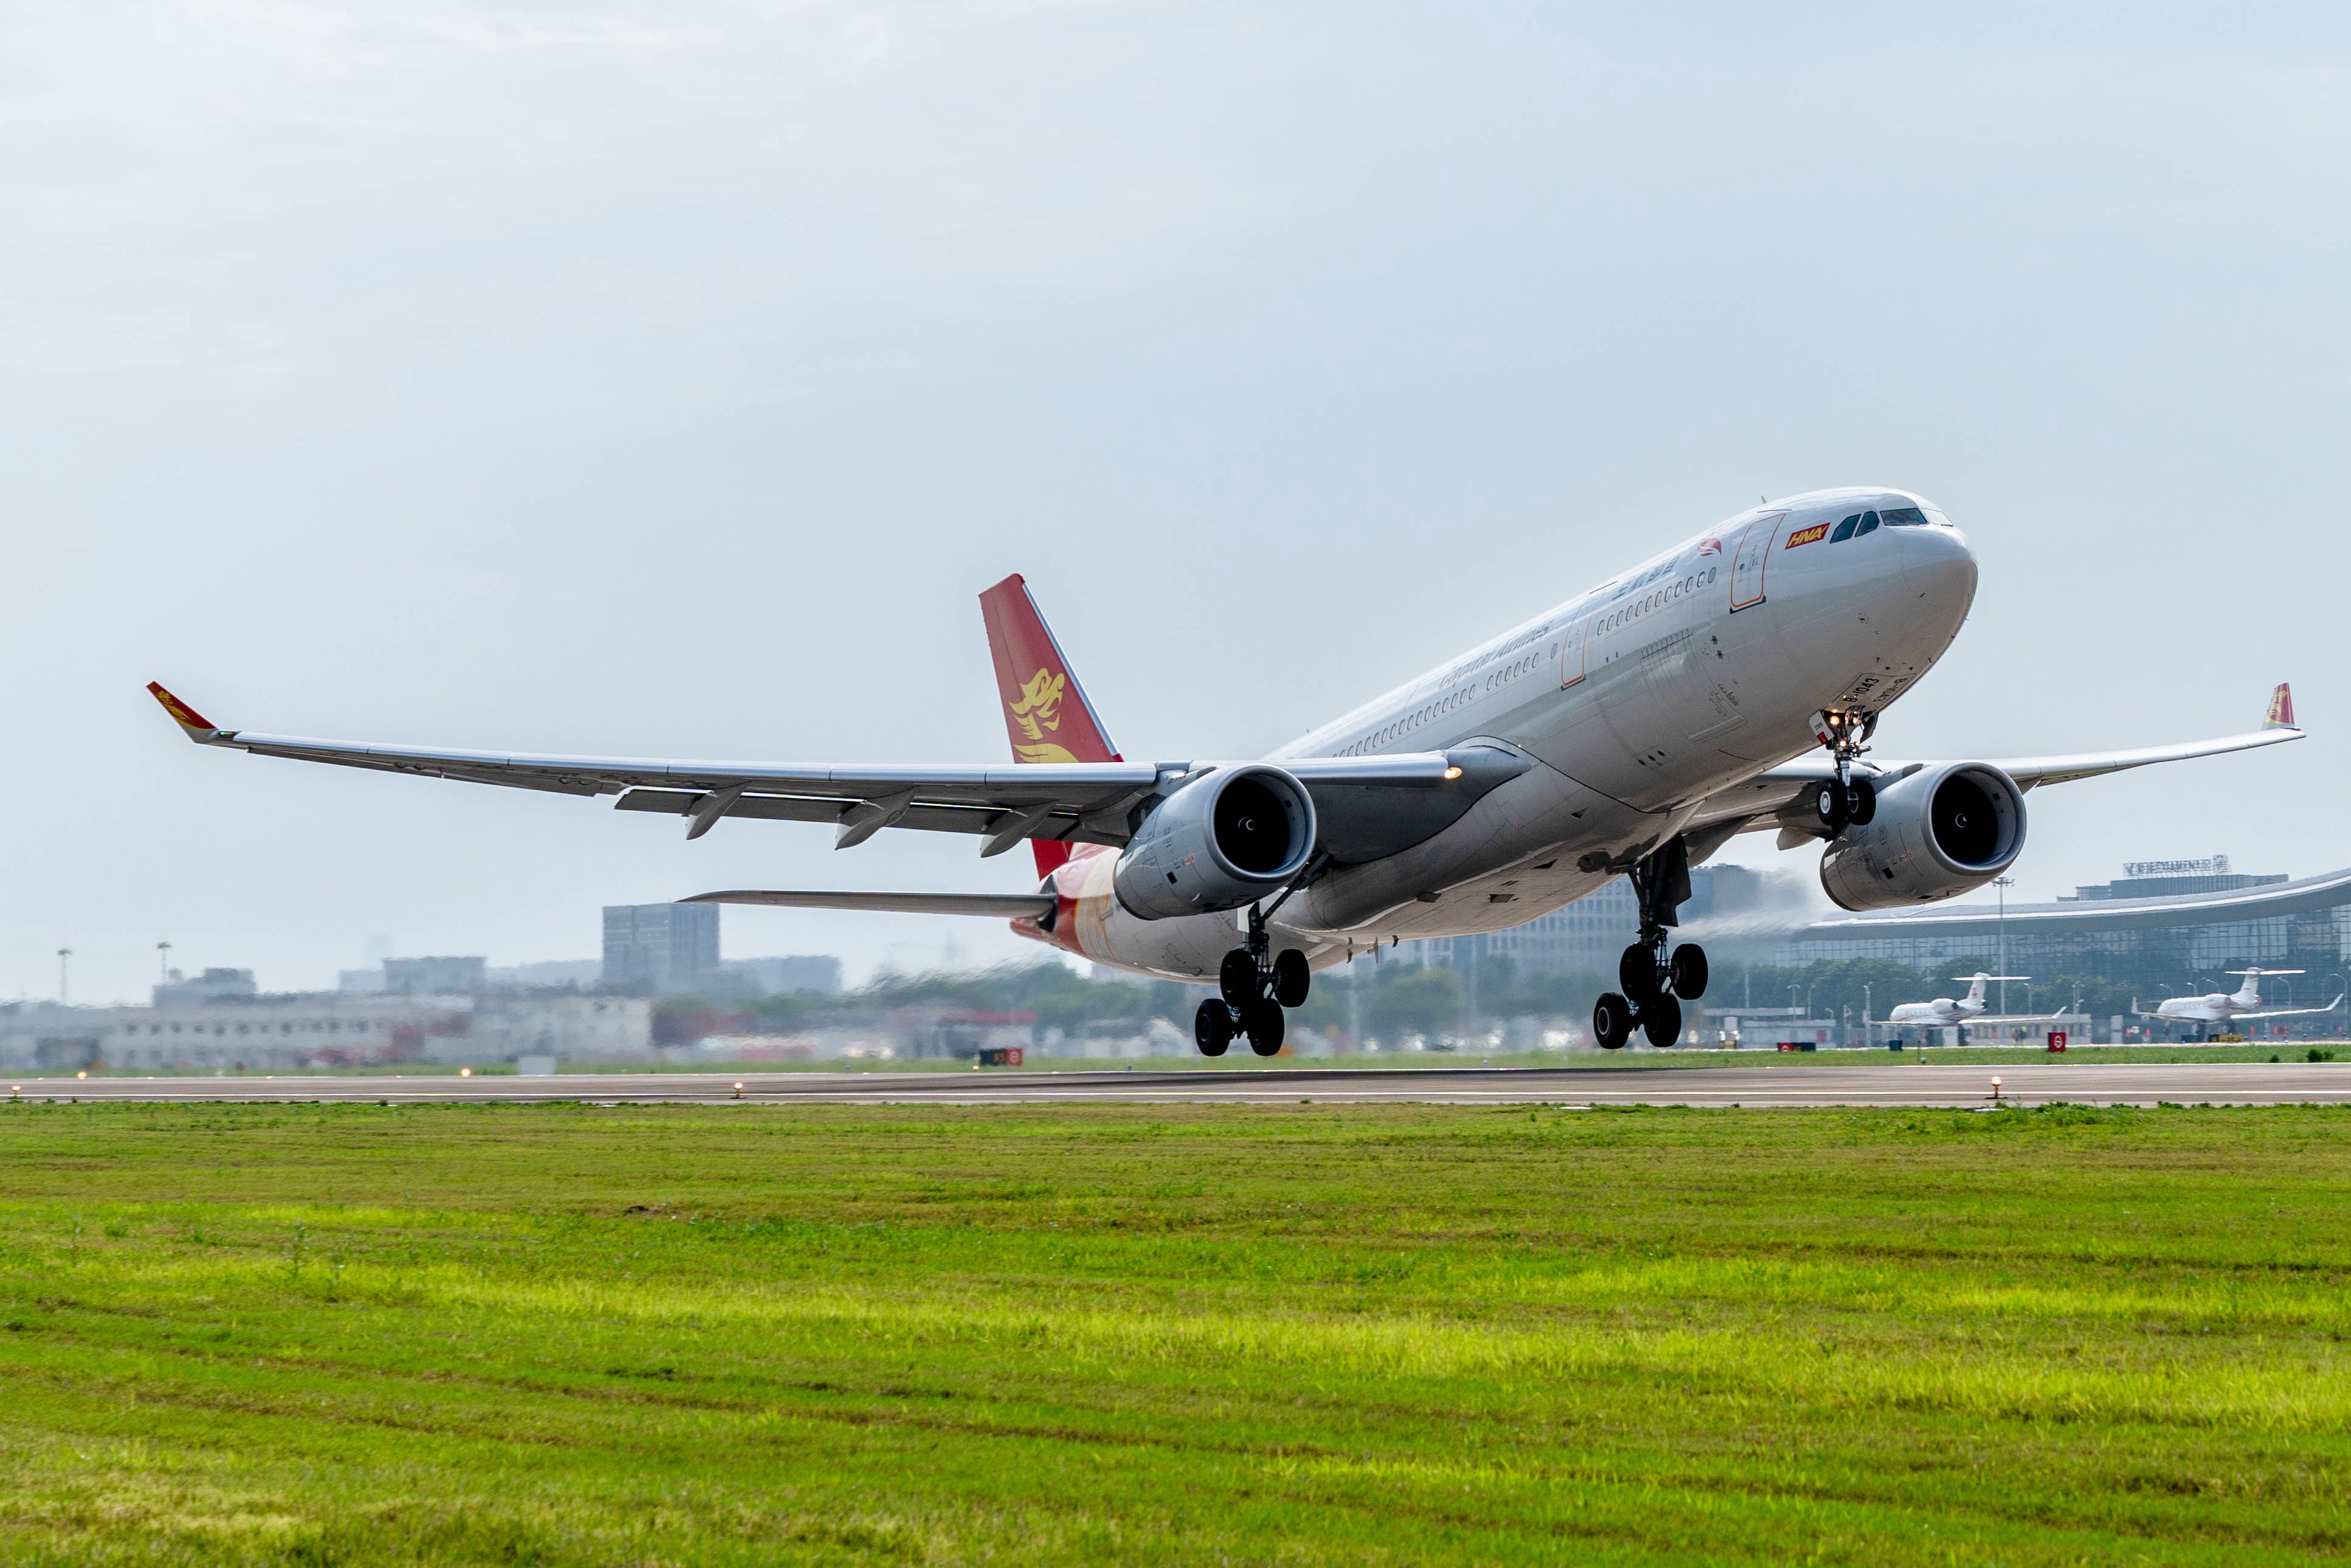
[(1844, 529), (1868, 521)]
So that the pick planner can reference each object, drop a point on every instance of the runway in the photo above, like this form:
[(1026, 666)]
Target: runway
[(1766, 1087)]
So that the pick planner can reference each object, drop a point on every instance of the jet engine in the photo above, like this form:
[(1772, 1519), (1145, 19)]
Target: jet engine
[(1219, 842), (1941, 832)]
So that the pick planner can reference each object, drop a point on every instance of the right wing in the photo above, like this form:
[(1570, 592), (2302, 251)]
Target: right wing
[(1366, 803), (2292, 1012)]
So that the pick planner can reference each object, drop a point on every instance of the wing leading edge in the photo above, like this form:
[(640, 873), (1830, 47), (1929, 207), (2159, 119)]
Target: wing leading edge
[(1091, 802)]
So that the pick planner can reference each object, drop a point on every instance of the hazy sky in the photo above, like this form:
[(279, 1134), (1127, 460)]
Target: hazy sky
[(666, 379)]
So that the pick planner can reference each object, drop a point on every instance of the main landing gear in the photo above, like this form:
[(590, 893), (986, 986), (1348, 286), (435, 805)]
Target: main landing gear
[(1654, 983), (1253, 993)]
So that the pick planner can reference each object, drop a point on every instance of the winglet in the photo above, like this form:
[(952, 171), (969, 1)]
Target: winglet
[(199, 728), (2280, 714)]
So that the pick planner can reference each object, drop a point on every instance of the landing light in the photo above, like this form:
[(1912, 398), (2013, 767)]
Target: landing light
[(1453, 773), (465, 1072)]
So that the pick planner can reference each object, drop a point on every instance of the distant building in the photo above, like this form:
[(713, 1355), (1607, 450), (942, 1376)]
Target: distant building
[(212, 986), (776, 976), (576, 972), (2162, 879), (1589, 936), (670, 948), (328, 1029), (2165, 945), (433, 977)]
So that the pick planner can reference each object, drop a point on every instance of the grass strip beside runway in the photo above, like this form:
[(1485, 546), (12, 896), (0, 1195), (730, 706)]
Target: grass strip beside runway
[(1368, 1333)]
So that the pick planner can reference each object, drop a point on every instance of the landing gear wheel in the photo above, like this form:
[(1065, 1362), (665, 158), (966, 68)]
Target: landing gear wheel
[(1212, 1028), (1687, 970), (1263, 1021), (1611, 1021), (1829, 807), (1861, 803), (1661, 1020), (1237, 977), (1290, 979), (1636, 971)]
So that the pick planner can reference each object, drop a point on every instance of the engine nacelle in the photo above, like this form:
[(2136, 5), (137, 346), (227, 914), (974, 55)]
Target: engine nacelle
[(1938, 833), (1217, 843)]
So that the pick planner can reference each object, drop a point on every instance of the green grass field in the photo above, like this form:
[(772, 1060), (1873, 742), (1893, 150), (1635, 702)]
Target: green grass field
[(1305, 1334)]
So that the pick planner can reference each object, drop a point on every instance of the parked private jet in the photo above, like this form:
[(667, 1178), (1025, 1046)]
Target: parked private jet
[(1730, 684), (2230, 1007), (1944, 1012)]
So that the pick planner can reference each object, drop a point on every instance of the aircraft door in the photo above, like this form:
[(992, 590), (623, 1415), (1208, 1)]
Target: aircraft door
[(1747, 566), (1571, 652)]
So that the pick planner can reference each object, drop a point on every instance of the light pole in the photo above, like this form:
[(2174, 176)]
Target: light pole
[(1866, 1041), (2004, 883), (63, 955), (163, 960)]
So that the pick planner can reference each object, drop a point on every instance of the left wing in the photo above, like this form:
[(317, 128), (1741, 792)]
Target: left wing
[(1777, 797), (1092, 802)]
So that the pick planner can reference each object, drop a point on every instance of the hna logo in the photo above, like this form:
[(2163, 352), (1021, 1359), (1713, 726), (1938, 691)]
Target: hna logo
[(1039, 710)]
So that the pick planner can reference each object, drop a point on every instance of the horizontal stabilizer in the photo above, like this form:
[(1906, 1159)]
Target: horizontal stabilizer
[(995, 905)]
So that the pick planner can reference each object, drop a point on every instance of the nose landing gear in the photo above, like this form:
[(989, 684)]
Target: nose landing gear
[(1845, 800), (1654, 983), (1252, 993)]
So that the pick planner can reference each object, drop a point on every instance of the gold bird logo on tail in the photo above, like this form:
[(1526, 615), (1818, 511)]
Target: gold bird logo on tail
[(1039, 710)]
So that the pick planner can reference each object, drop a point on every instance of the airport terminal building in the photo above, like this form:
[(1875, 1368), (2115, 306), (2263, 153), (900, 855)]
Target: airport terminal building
[(2169, 928)]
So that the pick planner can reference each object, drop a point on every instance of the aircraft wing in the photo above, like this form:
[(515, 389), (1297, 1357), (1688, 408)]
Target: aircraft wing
[(1360, 797), (1002, 905), (2290, 1012), (1777, 797)]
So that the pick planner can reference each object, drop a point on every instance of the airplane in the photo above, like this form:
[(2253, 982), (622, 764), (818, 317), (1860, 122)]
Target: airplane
[(2228, 1006), (1729, 684), (1945, 1013)]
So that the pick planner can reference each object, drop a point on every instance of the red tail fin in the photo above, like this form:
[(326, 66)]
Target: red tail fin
[(1045, 709), (2280, 714)]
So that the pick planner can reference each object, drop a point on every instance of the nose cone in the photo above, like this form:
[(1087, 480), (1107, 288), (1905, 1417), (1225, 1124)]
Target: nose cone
[(1939, 566)]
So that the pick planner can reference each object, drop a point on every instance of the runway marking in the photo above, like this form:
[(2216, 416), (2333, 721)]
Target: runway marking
[(1886, 1086)]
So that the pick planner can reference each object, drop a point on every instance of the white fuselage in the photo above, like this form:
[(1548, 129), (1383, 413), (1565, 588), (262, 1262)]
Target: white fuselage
[(1942, 1013), (2215, 1006), (1635, 701)]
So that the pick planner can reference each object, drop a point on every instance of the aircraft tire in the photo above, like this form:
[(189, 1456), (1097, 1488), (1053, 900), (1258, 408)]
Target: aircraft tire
[(1611, 1021), (1661, 1020), (1212, 1028), (1829, 807), (1237, 977), (1688, 970), (1291, 979), (1861, 804), (1264, 1023), (1636, 972)]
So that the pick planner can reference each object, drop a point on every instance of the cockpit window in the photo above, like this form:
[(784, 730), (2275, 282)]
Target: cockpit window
[(1868, 521), (1905, 517), (1844, 529)]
